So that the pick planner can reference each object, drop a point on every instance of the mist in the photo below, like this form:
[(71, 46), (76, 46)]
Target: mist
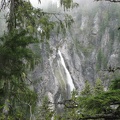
[(86, 4), (43, 4)]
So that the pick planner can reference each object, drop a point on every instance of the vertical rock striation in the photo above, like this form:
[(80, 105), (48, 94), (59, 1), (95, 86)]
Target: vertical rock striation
[(91, 46)]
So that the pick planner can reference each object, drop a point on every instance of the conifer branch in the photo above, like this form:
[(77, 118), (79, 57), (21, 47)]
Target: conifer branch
[(109, 0), (67, 103)]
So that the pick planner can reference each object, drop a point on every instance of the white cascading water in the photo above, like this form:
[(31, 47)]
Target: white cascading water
[(69, 79)]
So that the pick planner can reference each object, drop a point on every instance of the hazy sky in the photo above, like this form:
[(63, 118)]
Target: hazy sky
[(43, 2)]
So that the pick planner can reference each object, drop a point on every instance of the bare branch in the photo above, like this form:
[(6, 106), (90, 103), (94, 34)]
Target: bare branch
[(67, 103), (109, 0), (111, 69), (100, 116)]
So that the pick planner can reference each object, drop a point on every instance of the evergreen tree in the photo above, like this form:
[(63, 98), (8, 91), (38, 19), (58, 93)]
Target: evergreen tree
[(98, 89), (105, 105), (44, 112), (99, 106), (17, 101), (87, 91)]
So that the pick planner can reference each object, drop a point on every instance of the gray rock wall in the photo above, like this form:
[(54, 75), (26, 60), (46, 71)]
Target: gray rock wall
[(92, 45)]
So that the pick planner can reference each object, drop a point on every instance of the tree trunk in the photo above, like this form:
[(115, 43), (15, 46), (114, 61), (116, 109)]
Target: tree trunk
[(7, 101), (12, 18)]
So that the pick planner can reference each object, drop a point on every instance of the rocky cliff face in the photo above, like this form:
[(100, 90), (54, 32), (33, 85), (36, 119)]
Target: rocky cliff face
[(3, 25), (91, 46)]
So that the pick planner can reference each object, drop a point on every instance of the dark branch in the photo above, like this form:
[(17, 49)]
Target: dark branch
[(109, 0), (108, 116), (67, 103), (111, 69)]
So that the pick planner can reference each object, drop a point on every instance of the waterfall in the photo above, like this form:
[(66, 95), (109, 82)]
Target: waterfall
[(69, 79)]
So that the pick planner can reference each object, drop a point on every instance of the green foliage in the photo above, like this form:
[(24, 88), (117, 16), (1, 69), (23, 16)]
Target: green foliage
[(87, 91), (69, 113), (16, 58), (44, 112), (17, 100), (62, 24), (22, 100), (101, 103), (115, 85), (98, 89), (15, 55), (37, 50), (68, 4), (96, 105)]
